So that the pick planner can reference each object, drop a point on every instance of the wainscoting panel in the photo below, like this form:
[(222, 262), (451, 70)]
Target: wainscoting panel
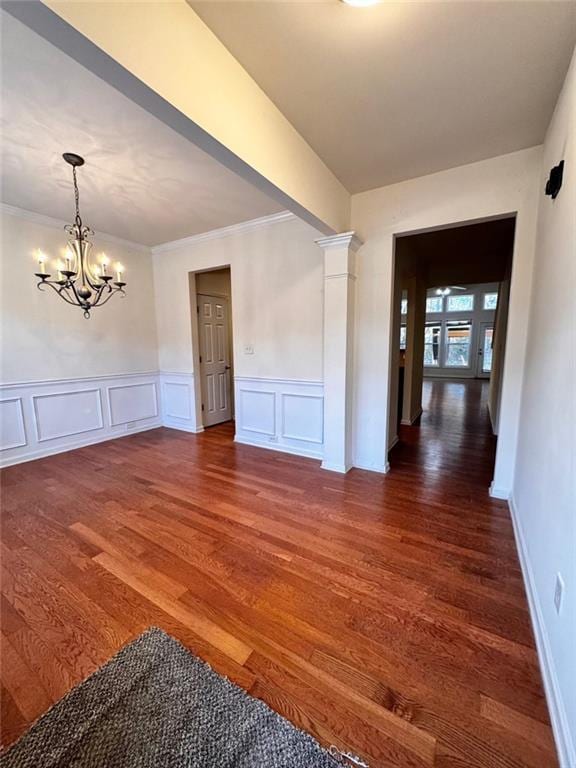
[(132, 402), (178, 401), (39, 418), (282, 414), (61, 414), (12, 430)]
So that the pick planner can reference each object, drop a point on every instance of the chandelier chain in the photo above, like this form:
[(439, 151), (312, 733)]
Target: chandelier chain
[(76, 196)]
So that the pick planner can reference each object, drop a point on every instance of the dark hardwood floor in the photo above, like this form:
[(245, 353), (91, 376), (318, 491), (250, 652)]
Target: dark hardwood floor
[(383, 614)]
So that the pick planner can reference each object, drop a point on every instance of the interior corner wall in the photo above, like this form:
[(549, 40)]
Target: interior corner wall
[(277, 316), (544, 493), (491, 188), (65, 380)]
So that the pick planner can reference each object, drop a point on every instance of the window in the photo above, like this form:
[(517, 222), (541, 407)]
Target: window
[(434, 304), (402, 337), (490, 301), (461, 302), (404, 306), (487, 350), (458, 335), (432, 344)]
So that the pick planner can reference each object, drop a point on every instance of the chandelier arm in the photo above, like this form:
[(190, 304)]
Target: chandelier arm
[(99, 291), (59, 290), (113, 291)]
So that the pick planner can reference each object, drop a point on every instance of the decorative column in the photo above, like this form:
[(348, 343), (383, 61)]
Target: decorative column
[(339, 290)]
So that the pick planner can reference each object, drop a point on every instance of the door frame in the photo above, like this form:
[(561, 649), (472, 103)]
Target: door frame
[(196, 384), (506, 446)]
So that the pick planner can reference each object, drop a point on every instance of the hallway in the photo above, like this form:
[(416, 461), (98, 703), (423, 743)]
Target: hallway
[(454, 438), (383, 614)]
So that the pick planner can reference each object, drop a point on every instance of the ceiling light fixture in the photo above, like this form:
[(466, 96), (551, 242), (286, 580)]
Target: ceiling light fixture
[(79, 282), (448, 290)]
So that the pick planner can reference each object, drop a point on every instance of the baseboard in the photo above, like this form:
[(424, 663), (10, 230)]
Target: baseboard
[(381, 470), (341, 469), (499, 493), (42, 453), (558, 716), (172, 424), (280, 448), (413, 420)]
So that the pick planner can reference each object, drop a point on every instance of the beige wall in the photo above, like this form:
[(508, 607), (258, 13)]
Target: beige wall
[(544, 496), (42, 337), (277, 295)]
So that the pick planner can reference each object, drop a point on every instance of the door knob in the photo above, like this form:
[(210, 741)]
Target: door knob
[(227, 367)]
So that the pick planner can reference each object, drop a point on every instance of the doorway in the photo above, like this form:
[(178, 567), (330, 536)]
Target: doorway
[(214, 353), (451, 293)]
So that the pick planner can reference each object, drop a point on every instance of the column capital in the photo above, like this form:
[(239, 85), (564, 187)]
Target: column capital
[(348, 240)]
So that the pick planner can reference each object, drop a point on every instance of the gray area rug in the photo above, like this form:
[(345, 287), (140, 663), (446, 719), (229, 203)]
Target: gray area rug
[(155, 704)]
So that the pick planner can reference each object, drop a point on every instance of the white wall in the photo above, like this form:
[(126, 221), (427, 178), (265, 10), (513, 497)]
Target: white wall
[(277, 284), (66, 381), (42, 337), (481, 190), (544, 495), (277, 309)]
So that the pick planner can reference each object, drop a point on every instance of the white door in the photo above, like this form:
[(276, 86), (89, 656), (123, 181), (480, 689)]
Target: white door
[(485, 350), (214, 359)]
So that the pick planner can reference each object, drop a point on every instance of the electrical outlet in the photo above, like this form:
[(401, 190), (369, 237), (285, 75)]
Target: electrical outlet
[(248, 349), (558, 593)]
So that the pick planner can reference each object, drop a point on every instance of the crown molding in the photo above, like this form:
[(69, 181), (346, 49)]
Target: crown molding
[(233, 229), (344, 239), (49, 221)]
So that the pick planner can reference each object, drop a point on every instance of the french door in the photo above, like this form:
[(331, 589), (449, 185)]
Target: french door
[(484, 365)]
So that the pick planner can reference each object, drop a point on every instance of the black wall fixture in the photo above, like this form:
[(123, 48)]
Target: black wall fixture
[(555, 180)]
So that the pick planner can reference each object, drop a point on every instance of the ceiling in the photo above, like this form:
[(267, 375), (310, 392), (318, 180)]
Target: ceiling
[(472, 253), (403, 89), (142, 181)]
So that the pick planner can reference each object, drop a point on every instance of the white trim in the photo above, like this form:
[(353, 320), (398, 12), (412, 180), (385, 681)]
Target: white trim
[(76, 380), (49, 221), (171, 423), (342, 240), (298, 429), (233, 229), (342, 469), (558, 716), (395, 440), (381, 470), (279, 447), (40, 453), (281, 382), (413, 420), (76, 427), (499, 493)]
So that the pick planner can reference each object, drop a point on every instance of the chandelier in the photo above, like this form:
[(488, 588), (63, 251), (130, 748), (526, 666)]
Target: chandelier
[(79, 282)]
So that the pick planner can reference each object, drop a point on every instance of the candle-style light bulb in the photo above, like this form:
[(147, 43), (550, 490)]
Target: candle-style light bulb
[(41, 262), (119, 271), (69, 257), (60, 267), (104, 261)]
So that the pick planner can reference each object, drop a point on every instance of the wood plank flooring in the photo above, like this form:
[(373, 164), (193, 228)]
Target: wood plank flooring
[(383, 614)]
